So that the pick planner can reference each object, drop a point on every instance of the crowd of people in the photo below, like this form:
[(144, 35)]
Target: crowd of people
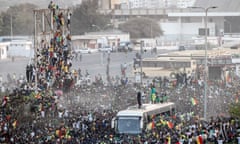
[(84, 114), (60, 110)]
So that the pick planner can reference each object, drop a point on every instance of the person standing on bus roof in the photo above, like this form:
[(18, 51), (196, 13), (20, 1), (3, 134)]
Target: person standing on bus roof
[(153, 94), (139, 97)]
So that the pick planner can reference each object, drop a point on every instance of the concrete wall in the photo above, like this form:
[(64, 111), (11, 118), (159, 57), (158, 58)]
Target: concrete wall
[(185, 28), (92, 40), (20, 48)]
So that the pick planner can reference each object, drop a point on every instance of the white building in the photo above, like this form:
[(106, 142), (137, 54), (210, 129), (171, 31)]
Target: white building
[(137, 4), (149, 4), (95, 40), (185, 3), (17, 46), (22, 48)]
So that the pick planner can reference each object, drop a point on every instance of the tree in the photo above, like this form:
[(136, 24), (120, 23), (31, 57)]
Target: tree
[(85, 15), (141, 28), (22, 20), (234, 110), (6, 24)]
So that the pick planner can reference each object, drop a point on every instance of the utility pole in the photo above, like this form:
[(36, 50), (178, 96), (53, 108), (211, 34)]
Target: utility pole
[(35, 48), (107, 69), (205, 62), (141, 49), (11, 27)]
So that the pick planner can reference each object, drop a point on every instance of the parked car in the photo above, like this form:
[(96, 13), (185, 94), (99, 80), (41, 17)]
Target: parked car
[(84, 50), (125, 46), (106, 49), (181, 48)]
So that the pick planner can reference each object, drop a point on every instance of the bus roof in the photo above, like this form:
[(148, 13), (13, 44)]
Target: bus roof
[(149, 109)]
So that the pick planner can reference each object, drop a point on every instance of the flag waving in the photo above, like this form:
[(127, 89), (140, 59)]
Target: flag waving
[(194, 101), (170, 124)]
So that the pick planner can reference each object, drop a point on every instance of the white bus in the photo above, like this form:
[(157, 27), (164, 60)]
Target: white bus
[(166, 65), (134, 120)]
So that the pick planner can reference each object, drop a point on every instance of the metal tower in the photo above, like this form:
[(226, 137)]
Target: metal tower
[(51, 37)]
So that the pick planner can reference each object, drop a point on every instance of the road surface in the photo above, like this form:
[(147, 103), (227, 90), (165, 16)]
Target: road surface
[(94, 63)]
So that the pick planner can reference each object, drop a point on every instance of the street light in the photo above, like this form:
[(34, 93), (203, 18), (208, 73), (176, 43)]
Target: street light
[(206, 47), (11, 23)]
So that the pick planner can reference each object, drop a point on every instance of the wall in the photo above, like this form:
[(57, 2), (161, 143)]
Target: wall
[(185, 28), (3, 50), (104, 4), (93, 39), (20, 48)]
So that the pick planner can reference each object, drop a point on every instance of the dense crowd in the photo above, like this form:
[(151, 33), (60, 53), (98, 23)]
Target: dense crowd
[(65, 107), (84, 114)]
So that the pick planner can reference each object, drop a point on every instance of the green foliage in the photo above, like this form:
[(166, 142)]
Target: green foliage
[(141, 28), (6, 24), (85, 15), (234, 110), (22, 20)]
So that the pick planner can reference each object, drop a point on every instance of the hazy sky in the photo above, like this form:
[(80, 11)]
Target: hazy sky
[(4, 4)]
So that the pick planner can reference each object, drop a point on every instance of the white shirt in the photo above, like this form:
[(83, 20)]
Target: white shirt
[(69, 16), (60, 114), (66, 113), (220, 141), (32, 134), (42, 114), (238, 138)]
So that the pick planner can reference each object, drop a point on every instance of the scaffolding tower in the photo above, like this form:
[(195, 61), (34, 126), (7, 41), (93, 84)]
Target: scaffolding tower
[(52, 43)]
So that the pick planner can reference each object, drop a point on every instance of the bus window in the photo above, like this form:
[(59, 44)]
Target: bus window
[(130, 125)]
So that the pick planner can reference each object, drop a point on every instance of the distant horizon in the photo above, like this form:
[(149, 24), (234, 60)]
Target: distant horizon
[(223, 5), (5, 4)]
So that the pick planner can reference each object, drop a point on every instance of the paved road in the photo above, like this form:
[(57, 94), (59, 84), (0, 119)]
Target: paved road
[(95, 63)]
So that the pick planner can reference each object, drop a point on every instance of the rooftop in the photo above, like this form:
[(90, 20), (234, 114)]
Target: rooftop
[(146, 108), (201, 53)]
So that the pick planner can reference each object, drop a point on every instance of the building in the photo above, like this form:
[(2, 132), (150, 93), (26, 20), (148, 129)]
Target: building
[(153, 4), (22, 48), (3, 50), (221, 62), (185, 3), (146, 4), (95, 40), (119, 4), (16, 46), (183, 24), (104, 4)]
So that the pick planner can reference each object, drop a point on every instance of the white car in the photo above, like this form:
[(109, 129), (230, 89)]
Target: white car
[(105, 49), (84, 50)]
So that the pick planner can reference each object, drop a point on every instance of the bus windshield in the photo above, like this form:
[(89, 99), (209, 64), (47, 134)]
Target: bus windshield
[(129, 125)]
